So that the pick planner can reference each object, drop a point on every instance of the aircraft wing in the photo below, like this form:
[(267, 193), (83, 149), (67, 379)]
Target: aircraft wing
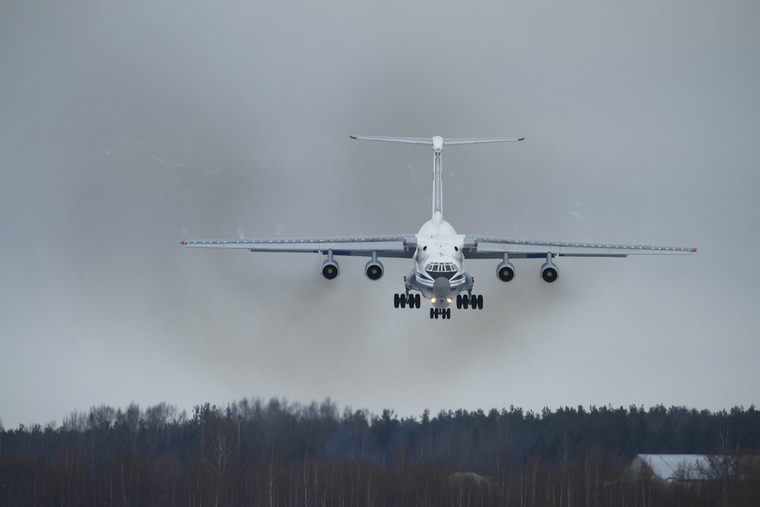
[(486, 247), (386, 246)]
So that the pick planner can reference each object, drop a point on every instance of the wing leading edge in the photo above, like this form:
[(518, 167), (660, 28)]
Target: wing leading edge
[(385, 246), (485, 247)]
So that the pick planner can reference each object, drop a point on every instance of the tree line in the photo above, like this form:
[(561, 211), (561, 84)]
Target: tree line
[(276, 454)]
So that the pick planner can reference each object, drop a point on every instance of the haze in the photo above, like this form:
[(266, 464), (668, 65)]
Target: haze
[(128, 126)]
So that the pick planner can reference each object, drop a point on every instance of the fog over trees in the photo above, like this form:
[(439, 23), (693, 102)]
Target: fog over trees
[(274, 454)]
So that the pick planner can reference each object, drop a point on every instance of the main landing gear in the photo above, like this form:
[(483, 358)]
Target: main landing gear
[(471, 301), (445, 313), (404, 300)]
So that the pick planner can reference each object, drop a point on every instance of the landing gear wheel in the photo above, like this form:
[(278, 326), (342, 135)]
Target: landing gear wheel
[(480, 302), (396, 300), (432, 312), (417, 300), (474, 302), (436, 313), (459, 301), (402, 300), (448, 313), (412, 302), (465, 302)]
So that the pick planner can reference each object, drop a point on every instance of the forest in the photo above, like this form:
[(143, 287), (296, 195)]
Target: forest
[(278, 454)]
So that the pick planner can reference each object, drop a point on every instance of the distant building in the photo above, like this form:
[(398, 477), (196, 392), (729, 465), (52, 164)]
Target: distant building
[(674, 467)]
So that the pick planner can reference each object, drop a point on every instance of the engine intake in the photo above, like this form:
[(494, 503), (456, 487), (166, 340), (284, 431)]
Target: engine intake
[(549, 272), (505, 271), (330, 268), (374, 270)]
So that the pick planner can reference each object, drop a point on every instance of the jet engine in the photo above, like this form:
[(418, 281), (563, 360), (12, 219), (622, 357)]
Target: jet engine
[(374, 269), (549, 272), (505, 271), (330, 269)]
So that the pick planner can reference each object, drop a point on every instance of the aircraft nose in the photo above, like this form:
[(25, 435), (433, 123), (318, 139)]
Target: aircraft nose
[(441, 286)]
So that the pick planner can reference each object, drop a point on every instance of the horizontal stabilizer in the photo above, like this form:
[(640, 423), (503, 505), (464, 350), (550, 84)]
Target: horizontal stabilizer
[(446, 141), (452, 141), (408, 140)]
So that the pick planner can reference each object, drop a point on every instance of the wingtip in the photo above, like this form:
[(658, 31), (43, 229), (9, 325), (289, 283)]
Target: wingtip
[(352, 137), (521, 139), (182, 242), (693, 249)]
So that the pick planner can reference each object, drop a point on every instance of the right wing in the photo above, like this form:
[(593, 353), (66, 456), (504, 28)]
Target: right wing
[(385, 246), (485, 247)]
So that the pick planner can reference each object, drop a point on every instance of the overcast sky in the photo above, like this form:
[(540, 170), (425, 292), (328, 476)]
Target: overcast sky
[(128, 126)]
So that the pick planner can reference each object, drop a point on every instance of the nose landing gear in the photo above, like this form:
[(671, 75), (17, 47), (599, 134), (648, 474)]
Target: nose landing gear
[(445, 313)]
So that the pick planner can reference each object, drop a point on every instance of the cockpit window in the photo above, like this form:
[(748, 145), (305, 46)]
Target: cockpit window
[(445, 269)]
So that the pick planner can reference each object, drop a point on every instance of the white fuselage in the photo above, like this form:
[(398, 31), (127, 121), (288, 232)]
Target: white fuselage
[(439, 263)]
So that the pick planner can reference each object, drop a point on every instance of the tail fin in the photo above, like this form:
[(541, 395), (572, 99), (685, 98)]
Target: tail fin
[(438, 143)]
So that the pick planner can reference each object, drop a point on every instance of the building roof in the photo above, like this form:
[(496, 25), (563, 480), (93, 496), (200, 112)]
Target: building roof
[(675, 467)]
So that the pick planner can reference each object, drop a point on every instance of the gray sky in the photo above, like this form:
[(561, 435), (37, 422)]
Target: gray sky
[(128, 126)]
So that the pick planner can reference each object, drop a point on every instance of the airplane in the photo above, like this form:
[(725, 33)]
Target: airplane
[(437, 251)]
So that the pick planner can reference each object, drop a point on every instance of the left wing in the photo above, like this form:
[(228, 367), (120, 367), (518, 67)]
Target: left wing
[(485, 247), (385, 246)]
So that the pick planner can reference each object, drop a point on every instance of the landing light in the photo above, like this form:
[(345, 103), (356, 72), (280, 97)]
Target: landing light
[(433, 300), (448, 300)]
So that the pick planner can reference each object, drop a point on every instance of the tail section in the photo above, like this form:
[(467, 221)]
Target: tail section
[(438, 143)]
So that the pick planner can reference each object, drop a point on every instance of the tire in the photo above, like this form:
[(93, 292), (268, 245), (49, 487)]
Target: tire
[(436, 313), (459, 301), (465, 302), (402, 300), (480, 302), (448, 313), (431, 313), (417, 300), (474, 302), (396, 300)]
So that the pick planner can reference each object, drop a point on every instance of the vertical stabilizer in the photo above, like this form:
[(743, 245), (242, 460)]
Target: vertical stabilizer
[(437, 180)]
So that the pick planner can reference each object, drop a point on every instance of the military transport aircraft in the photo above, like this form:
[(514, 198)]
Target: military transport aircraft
[(437, 251)]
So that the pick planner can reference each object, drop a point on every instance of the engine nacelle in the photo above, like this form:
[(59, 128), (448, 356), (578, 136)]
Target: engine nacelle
[(330, 269), (505, 271), (374, 270), (549, 272)]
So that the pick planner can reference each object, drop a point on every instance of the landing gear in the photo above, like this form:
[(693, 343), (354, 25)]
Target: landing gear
[(402, 300), (470, 301), (444, 313)]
